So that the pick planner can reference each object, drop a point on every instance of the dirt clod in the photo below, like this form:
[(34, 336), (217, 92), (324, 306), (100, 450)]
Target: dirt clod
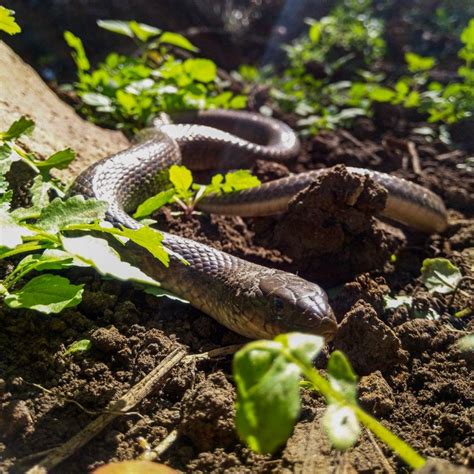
[(368, 342), (376, 395), (208, 413)]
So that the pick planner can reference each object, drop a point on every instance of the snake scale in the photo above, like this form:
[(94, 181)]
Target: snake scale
[(250, 299)]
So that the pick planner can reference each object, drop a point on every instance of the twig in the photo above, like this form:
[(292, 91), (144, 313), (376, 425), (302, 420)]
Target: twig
[(380, 453), (151, 454), (81, 407), (450, 154), (123, 404), (415, 158), (214, 353), (359, 144)]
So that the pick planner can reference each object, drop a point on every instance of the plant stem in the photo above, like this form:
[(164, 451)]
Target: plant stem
[(406, 452)]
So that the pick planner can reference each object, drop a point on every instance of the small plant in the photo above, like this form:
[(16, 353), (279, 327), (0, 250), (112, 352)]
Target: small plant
[(187, 194), (267, 376), (127, 92), (439, 276), (8, 23), (56, 234)]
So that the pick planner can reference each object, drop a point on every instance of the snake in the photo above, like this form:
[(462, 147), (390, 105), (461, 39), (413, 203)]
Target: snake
[(249, 299)]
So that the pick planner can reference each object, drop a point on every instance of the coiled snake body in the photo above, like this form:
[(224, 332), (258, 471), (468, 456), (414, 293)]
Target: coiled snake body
[(250, 299)]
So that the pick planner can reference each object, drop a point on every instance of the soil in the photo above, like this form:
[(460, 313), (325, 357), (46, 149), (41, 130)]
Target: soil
[(413, 376)]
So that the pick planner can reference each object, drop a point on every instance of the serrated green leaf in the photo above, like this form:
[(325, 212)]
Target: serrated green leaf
[(19, 127), (203, 70), (154, 203), (315, 31), (177, 40), (11, 233), (59, 160), (151, 240), (341, 425), (75, 210), (47, 294), (268, 402), (79, 53), (7, 21), (439, 275), (79, 346), (99, 254)]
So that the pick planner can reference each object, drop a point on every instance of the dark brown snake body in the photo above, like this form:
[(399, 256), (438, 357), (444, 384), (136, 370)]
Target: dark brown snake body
[(250, 299)]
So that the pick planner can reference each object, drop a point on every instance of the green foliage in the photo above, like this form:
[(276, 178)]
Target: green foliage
[(187, 194), (7, 21), (439, 275), (267, 375), (42, 231), (78, 347), (127, 92)]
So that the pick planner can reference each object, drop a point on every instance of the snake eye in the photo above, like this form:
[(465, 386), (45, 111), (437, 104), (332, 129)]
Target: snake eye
[(278, 303)]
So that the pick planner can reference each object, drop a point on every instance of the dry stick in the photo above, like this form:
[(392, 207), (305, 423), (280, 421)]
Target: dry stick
[(415, 158), (139, 391), (359, 144), (380, 453)]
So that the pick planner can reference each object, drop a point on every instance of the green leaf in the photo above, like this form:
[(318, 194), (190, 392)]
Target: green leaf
[(160, 293), (382, 94), (75, 210), (397, 301), (21, 126), (150, 239), (341, 425), (342, 376), (99, 254), (315, 31), (203, 70), (304, 347), (467, 35), (96, 100), (11, 233), (154, 203), (237, 181), (466, 343), (439, 275), (268, 402), (46, 294), (417, 63), (181, 178), (79, 54), (79, 346), (116, 26), (143, 31), (7, 21), (59, 160), (177, 40)]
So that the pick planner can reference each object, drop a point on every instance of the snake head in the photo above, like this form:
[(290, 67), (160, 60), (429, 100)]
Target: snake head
[(295, 304)]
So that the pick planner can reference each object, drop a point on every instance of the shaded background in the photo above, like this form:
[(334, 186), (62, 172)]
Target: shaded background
[(230, 32)]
